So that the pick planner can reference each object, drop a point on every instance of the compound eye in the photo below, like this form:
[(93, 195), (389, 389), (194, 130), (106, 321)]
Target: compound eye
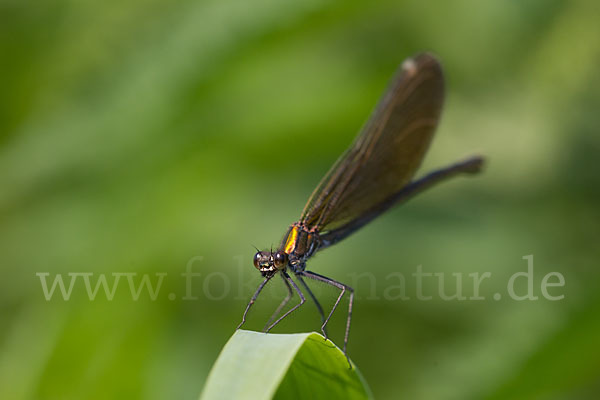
[(258, 258), (279, 259)]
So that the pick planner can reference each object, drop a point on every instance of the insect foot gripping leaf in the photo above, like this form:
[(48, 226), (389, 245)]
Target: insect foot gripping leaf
[(259, 366)]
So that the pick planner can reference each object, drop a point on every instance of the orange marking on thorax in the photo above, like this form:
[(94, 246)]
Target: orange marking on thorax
[(290, 243)]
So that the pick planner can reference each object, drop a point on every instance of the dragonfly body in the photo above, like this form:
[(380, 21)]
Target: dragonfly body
[(373, 175)]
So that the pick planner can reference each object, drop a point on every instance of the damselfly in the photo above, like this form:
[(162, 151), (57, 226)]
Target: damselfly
[(373, 175)]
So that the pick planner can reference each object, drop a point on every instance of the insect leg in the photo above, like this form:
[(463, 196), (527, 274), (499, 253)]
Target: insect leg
[(314, 298), (252, 300), (283, 303), (343, 289), (302, 300)]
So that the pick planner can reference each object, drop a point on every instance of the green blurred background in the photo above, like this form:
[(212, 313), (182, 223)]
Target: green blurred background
[(135, 136)]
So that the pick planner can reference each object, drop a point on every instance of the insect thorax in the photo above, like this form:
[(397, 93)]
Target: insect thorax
[(299, 244)]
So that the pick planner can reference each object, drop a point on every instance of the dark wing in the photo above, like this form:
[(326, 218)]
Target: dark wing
[(387, 153)]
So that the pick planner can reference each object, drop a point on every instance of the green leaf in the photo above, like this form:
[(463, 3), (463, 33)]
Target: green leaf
[(255, 366)]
